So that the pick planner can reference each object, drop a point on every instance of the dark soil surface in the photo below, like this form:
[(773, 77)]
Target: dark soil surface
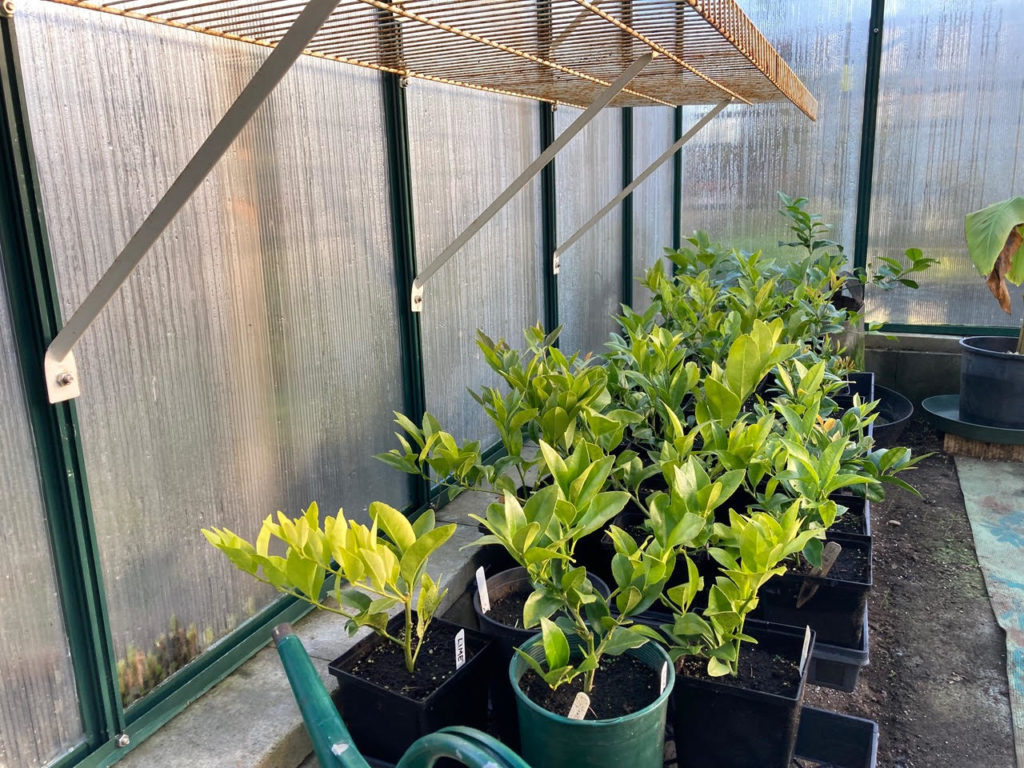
[(936, 684), (622, 685), (853, 564), (759, 670), (385, 664), (508, 609)]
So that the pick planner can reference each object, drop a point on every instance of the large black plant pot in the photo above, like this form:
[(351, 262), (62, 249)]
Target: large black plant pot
[(991, 382), (894, 411)]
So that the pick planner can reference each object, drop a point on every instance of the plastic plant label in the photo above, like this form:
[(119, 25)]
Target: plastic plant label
[(460, 648), (579, 707), (481, 588), (664, 677), (807, 647)]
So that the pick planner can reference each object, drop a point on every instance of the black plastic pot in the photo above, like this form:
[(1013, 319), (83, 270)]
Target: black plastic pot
[(857, 383), (991, 382), (506, 639), (830, 739), (722, 725), (857, 518), (837, 666), (384, 723), (835, 612), (894, 411)]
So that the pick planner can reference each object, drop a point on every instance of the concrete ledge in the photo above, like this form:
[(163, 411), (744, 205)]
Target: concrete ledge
[(250, 719), (916, 365)]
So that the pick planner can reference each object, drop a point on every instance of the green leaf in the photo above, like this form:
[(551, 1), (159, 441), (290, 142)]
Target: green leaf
[(623, 639), (988, 231), (416, 555), (556, 647), (394, 524), (722, 403), (539, 606)]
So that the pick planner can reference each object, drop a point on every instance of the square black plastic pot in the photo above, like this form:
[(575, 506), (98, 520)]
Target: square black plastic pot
[(837, 666), (857, 518), (718, 725), (837, 740), (835, 612), (384, 723)]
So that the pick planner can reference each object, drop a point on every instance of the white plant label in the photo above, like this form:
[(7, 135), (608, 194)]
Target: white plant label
[(460, 648), (481, 588), (664, 677), (807, 647), (579, 707)]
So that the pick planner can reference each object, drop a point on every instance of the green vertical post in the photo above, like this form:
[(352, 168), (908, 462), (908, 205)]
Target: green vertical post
[(36, 320), (677, 181), (867, 139), (396, 125), (627, 207), (549, 218)]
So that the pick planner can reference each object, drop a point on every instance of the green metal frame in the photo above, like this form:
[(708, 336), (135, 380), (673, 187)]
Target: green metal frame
[(951, 330), (867, 135), (36, 319), (627, 207), (677, 181), (396, 125), (549, 218)]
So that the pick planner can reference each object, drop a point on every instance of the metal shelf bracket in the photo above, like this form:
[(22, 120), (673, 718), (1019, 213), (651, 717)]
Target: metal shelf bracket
[(59, 366), (640, 178), (524, 178)]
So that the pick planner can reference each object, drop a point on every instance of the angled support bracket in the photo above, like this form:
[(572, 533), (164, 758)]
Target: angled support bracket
[(59, 363), (524, 178), (641, 177)]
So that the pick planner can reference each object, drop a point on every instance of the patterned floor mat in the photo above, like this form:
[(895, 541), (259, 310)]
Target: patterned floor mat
[(994, 497)]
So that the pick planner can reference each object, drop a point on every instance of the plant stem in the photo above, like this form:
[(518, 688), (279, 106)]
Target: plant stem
[(410, 659), (1020, 340)]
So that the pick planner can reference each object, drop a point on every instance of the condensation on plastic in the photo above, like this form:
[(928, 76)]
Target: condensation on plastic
[(736, 164), (251, 362), (39, 717), (652, 200), (589, 174), (950, 138), (466, 148)]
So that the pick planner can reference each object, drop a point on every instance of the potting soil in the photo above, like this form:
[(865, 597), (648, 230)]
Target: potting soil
[(994, 497), (622, 685)]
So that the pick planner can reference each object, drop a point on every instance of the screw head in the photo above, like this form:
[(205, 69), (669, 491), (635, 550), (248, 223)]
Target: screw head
[(64, 378), (123, 740)]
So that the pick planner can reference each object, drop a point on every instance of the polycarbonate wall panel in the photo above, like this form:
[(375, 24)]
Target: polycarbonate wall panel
[(466, 147), (589, 174), (39, 717), (652, 200), (733, 168), (950, 141), (251, 363)]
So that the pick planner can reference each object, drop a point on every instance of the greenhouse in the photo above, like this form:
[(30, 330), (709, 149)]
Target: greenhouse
[(512, 383)]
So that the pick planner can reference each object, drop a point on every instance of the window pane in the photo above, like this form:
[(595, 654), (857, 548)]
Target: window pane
[(652, 200), (950, 112), (589, 174), (251, 362), (39, 717), (736, 164), (466, 148)]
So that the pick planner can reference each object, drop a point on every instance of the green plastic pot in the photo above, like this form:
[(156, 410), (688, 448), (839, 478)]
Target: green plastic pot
[(555, 741)]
